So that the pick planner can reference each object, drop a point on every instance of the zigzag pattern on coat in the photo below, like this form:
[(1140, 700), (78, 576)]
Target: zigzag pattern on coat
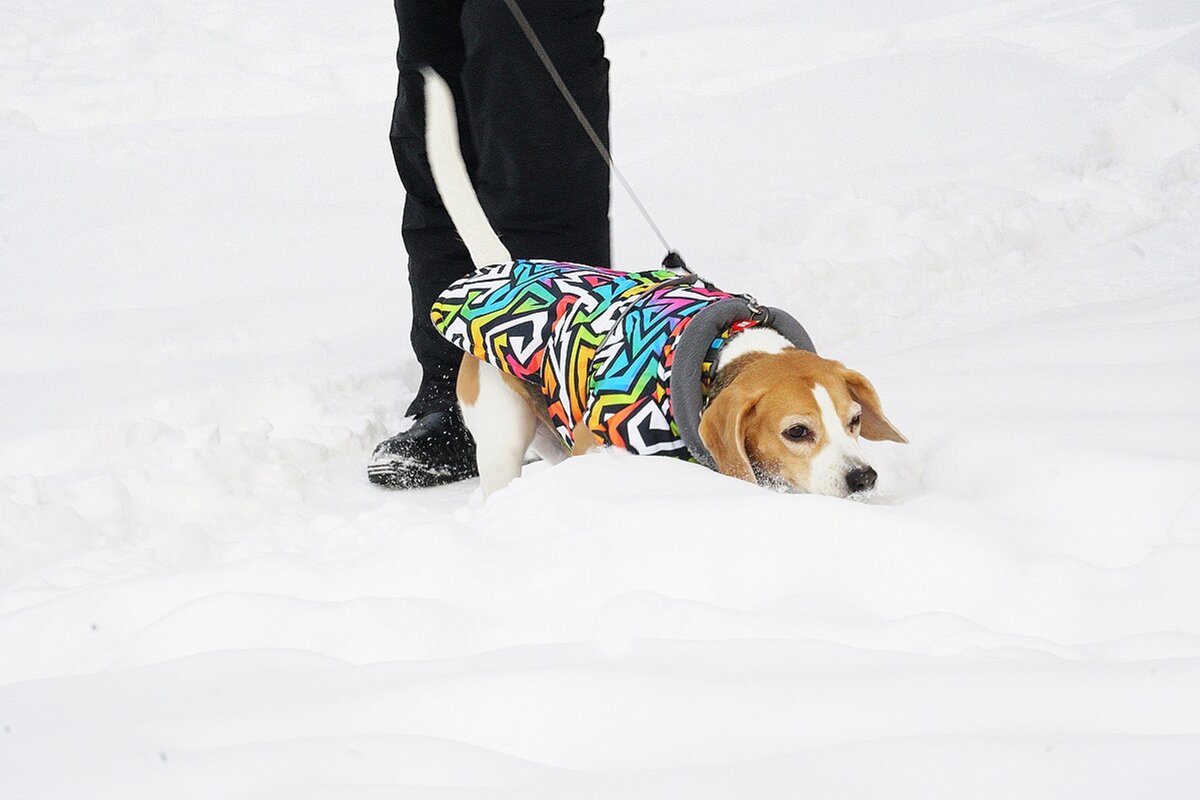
[(597, 342), (631, 384)]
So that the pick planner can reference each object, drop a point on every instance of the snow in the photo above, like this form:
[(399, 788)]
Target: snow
[(990, 208)]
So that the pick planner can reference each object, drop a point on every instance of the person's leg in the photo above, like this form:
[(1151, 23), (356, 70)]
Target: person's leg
[(540, 180), (436, 449), (430, 34)]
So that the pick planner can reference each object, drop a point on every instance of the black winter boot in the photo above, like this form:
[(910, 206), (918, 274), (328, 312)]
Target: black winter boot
[(437, 449)]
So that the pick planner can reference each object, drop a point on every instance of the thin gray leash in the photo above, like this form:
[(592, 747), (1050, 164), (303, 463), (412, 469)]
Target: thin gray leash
[(673, 260)]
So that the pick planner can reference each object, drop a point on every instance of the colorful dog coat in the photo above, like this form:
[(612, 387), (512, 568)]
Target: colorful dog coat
[(620, 352)]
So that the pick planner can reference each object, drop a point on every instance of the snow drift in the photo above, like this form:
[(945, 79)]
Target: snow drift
[(990, 209)]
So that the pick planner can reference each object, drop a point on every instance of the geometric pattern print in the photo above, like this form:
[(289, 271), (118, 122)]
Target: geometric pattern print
[(546, 322), (631, 382)]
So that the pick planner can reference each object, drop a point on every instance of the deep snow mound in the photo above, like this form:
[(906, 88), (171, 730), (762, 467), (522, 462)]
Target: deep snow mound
[(989, 209)]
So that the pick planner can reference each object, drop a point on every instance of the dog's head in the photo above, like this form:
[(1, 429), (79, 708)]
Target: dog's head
[(794, 419)]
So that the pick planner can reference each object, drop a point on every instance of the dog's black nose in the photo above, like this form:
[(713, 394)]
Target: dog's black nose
[(862, 479)]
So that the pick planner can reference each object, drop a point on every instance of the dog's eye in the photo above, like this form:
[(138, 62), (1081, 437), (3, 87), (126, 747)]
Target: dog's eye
[(797, 433), (854, 423)]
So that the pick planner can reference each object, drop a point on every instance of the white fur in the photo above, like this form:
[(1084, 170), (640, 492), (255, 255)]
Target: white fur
[(839, 454), (548, 446), (754, 340), (450, 175)]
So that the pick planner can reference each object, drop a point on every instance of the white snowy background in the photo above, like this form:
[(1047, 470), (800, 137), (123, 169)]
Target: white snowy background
[(990, 208)]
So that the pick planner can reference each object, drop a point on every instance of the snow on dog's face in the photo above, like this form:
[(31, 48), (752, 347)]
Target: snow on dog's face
[(794, 419)]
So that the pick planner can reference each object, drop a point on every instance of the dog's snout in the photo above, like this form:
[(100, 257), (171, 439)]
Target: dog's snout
[(861, 479)]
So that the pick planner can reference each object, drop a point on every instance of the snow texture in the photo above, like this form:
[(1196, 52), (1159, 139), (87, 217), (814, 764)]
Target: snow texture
[(990, 208)]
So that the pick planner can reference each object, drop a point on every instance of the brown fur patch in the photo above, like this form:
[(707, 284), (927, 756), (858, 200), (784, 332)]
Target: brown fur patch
[(729, 372), (584, 439), (468, 380)]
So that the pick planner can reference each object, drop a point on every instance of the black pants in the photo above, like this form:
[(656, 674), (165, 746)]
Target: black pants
[(539, 178)]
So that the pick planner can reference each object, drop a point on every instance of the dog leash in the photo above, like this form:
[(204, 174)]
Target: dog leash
[(672, 260)]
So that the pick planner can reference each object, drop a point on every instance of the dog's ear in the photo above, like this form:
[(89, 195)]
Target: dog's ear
[(875, 426), (723, 430)]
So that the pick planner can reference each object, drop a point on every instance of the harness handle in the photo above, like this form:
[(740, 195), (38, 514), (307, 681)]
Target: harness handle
[(674, 261)]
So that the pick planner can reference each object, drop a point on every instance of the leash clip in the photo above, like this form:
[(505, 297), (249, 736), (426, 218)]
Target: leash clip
[(757, 312)]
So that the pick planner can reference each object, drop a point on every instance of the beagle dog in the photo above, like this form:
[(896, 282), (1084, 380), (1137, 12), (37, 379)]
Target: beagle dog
[(563, 357)]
